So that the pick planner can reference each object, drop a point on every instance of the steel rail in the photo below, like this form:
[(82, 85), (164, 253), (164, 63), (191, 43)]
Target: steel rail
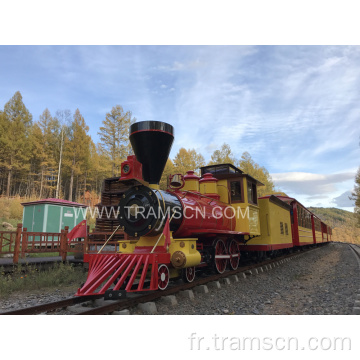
[(356, 249), (38, 309)]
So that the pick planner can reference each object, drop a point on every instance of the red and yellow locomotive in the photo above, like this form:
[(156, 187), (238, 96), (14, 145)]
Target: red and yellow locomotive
[(209, 221)]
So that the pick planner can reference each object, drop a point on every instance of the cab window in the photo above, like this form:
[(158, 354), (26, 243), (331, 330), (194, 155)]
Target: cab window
[(235, 190), (252, 193)]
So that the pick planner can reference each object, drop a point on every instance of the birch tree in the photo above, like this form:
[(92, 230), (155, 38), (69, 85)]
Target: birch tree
[(63, 118)]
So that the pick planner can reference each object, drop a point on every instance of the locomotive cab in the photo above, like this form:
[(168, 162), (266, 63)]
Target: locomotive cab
[(239, 191)]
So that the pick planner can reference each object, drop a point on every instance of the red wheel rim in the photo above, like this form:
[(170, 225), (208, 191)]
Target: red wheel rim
[(234, 254), (163, 277), (221, 256), (190, 274)]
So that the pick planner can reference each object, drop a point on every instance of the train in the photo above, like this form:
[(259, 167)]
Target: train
[(208, 222)]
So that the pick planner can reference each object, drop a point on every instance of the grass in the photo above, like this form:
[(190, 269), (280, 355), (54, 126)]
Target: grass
[(41, 255), (28, 277), (49, 254), (44, 254), (11, 211), (13, 222)]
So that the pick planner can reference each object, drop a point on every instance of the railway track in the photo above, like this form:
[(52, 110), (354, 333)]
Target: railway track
[(52, 306), (356, 250), (135, 299)]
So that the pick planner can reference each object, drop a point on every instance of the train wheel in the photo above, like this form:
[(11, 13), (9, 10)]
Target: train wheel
[(188, 274), (234, 254), (163, 277), (221, 256)]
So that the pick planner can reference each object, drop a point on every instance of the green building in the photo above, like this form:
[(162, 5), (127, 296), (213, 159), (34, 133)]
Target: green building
[(52, 215)]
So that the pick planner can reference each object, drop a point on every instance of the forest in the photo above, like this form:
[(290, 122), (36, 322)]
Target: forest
[(54, 156)]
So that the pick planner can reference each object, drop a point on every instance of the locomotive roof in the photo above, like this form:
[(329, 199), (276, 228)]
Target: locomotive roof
[(274, 199), (224, 171), (220, 169)]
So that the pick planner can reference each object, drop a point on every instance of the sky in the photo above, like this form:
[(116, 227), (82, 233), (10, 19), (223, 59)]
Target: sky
[(295, 109)]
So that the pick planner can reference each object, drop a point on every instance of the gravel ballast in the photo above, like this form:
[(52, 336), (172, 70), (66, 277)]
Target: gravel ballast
[(323, 281), (20, 300)]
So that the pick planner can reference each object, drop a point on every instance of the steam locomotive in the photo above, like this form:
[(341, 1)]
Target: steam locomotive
[(205, 222)]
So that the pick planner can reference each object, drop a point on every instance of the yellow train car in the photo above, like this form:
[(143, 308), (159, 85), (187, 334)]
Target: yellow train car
[(275, 226)]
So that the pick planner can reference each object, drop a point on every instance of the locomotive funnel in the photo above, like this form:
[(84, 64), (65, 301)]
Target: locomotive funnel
[(151, 142)]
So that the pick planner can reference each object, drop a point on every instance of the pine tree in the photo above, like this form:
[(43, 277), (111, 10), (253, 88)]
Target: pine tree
[(37, 160), (114, 136), (250, 167), (100, 168), (356, 195), (186, 160), (76, 152), (46, 132), (15, 128), (222, 156), (2, 151)]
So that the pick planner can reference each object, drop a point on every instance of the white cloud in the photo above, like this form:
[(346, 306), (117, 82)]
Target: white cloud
[(316, 185), (344, 200), (302, 176)]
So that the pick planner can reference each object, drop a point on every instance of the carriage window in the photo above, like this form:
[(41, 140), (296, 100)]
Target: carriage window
[(235, 189)]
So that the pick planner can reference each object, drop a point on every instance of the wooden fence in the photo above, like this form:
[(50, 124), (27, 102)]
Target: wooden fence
[(21, 242)]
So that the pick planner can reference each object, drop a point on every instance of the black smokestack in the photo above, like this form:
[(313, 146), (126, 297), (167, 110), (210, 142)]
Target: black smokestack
[(151, 142)]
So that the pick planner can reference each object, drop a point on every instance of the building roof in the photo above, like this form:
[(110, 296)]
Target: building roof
[(54, 202)]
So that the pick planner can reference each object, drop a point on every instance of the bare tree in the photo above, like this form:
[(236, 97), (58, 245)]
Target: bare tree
[(64, 119)]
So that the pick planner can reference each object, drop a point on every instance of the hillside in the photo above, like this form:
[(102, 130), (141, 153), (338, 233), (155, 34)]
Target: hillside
[(333, 216), (344, 223)]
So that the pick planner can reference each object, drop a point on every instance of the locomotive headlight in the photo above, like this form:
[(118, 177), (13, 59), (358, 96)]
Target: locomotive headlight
[(134, 209)]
